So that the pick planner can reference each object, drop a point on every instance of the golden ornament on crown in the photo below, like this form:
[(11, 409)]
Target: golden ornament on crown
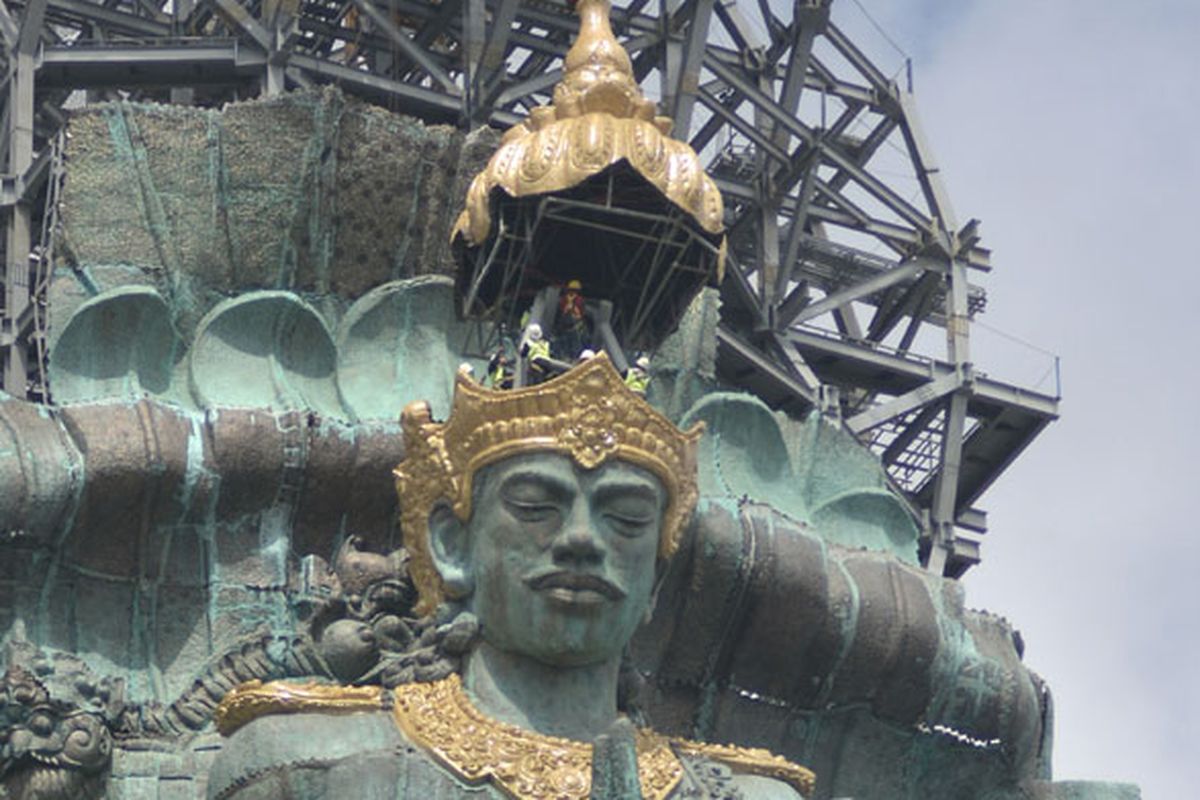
[(598, 118)]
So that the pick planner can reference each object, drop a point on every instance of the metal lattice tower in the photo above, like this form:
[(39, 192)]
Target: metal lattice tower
[(845, 251)]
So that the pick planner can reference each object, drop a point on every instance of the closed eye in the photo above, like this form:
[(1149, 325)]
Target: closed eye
[(531, 512), (629, 524)]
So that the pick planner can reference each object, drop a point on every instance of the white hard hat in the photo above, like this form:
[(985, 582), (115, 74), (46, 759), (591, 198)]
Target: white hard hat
[(586, 354), (643, 362), (535, 331)]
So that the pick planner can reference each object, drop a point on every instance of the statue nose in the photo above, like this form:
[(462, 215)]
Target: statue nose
[(577, 542)]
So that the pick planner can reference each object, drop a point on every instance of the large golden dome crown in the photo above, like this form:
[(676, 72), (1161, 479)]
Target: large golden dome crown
[(599, 118)]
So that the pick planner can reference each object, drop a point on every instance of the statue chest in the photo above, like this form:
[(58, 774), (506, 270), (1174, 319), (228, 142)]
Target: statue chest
[(428, 741), (364, 756)]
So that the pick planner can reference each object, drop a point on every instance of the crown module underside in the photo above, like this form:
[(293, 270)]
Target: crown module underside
[(849, 285)]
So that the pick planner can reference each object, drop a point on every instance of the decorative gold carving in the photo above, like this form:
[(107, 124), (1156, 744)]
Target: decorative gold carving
[(440, 718), (599, 117), (255, 699), (754, 760), (588, 414)]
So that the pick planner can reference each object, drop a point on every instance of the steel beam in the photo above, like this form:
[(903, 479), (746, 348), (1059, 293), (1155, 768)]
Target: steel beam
[(18, 222), (209, 61), (943, 514), (8, 26), (877, 369), (472, 40), (923, 395), (404, 44), (878, 81), (743, 126), (897, 237), (928, 174), (538, 84), (800, 368), (736, 25), (438, 24), (858, 291), (682, 97), (543, 82), (31, 27), (811, 18), (796, 231), (243, 20), (491, 66), (915, 428), (417, 99), (765, 368), (847, 323), (915, 302), (759, 100), (99, 16)]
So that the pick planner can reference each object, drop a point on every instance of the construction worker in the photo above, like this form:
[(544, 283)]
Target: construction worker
[(570, 302), (570, 324), (500, 371), (536, 352), (637, 377)]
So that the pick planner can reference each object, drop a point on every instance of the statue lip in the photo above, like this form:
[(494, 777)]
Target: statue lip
[(576, 587)]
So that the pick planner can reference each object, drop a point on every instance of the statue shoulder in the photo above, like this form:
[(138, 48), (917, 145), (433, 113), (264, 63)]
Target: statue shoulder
[(757, 773), (274, 734), (254, 699)]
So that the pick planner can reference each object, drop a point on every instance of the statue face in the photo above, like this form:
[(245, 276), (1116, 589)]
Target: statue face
[(562, 558)]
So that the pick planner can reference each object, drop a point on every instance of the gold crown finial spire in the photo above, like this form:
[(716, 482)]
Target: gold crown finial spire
[(597, 72), (599, 117), (596, 43)]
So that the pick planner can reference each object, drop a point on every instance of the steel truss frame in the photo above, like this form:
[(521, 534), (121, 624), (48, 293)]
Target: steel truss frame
[(795, 122)]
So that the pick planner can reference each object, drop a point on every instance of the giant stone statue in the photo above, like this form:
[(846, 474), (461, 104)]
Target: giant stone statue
[(208, 586), (542, 517)]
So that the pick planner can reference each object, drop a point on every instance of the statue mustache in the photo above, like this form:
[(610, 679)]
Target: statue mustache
[(567, 579)]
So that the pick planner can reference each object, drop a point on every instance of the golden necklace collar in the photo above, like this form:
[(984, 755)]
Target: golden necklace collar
[(440, 718)]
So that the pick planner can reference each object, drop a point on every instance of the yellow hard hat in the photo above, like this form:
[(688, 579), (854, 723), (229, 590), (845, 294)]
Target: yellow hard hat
[(574, 284)]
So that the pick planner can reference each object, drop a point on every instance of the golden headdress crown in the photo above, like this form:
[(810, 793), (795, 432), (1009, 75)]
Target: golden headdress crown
[(588, 414), (599, 117)]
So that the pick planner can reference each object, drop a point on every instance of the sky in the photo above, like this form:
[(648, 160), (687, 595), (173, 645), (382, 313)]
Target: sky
[(1069, 127)]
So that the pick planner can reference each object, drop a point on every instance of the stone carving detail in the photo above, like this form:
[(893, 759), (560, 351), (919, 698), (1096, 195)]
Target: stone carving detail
[(366, 631), (59, 722), (55, 739)]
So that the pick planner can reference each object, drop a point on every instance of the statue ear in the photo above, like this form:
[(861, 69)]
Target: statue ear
[(451, 551), (650, 606)]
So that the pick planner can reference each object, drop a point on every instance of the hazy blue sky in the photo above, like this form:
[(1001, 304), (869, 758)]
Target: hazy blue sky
[(1069, 128)]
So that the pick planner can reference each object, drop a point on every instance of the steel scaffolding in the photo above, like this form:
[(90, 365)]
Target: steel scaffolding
[(845, 252)]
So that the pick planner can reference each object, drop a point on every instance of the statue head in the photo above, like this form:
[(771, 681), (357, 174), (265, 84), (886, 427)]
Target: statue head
[(546, 510), (557, 562)]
